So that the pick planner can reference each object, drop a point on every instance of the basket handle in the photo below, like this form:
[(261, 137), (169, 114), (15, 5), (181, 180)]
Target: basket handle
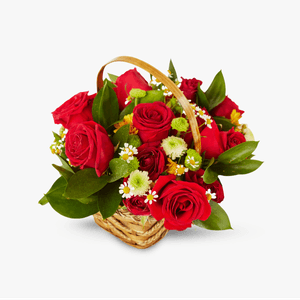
[(168, 83)]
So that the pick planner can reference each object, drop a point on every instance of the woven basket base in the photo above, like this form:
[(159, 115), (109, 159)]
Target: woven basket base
[(129, 229)]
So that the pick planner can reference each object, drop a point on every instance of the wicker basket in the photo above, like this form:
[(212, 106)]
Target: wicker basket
[(123, 224)]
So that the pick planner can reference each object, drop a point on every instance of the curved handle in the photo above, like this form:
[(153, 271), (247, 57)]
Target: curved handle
[(168, 83)]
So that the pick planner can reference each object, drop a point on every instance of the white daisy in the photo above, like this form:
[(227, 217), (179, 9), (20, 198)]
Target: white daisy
[(210, 195), (180, 169), (151, 197), (191, 160), (130, 149), (126, 155), (126, 190)]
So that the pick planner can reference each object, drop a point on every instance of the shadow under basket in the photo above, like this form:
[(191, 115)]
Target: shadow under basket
[(129, 229)]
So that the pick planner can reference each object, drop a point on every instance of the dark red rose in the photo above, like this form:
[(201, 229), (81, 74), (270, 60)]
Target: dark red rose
[(152, 159), (88, 146), (215, 187), (131, 79), (137, 206), (189, 88), (153, 121), (231, 138), (225, 108), (179, 203), (78, 109)]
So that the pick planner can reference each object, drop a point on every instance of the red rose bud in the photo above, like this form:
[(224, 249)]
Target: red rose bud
[(179, 203), (152, 158), (88, 146), (78, 109), (131, 79), (153, 121), (137, 206), (189, 88), (215, 187), (225, 108), (231, 138)]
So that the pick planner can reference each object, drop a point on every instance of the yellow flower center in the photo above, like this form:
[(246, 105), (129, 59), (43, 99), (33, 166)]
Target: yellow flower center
[(208, 121), (150, 197), (192, 162), (201, 112), (208, 196), (180, 170), (126, 190), (125, 156)]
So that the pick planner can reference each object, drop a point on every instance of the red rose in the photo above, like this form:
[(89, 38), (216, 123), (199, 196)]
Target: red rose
[(78, 109), (225, 108), (179, 203), (88, 146), (137, 206), (211, 141), (189, 88), (153, 121), (215, 187), (231, 138), (131, 79), (152, 159)]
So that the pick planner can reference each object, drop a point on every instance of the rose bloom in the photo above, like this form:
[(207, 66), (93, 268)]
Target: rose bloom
[(131, 79), (153, 121), (88, 146), (225, 108), (179, 203), (78, 109), (189, 88), (231, 138), (215, 187), (137, 206), (152, 158)]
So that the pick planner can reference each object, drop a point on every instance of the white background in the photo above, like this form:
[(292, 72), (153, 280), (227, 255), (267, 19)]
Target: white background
[(51, 50)]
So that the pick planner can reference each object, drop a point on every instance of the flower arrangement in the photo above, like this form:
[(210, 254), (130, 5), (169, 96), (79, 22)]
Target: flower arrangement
[(134, 147)]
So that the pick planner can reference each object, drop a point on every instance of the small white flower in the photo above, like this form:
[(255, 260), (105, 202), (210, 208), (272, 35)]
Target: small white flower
[(126, 155), (126, 190), (191, 161), (151, 197), (210, 195), (180, 169), (208, 121), (130, 149)]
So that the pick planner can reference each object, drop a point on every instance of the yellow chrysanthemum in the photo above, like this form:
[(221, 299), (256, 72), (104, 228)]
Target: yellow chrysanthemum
[(234, 117), (171, 167), (127, 120)]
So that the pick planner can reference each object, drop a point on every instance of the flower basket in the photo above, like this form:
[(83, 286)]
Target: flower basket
[(143, 159)]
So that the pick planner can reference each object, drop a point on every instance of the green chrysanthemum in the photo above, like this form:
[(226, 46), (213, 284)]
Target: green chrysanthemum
[(180, 124), (193, 160), (174, 146), (139, 180)]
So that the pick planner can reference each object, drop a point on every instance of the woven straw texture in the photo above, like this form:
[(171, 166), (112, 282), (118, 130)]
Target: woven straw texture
[(123, 224), (129, 229)]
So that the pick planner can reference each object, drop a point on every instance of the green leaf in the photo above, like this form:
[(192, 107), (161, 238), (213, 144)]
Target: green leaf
[(244, 167), (112, 77), (109, 199), (44, 200), (56, 136), (223, 123), (119, 169), (84, 184), (134, 140), (152, 96), (65, 164), (121, 136), (201, 99), (215, 94), (66, 174), (173, 75), (105, 108), (209, 175), (237, 153), (127, 110), (69, 207), (89, 199), (218, 220)]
